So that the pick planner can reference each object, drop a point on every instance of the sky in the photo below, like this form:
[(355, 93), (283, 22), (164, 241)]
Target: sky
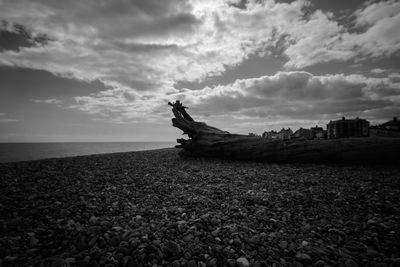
[(99, 70)]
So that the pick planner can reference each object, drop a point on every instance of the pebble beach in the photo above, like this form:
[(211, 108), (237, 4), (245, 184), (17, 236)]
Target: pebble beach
[(154, 208)]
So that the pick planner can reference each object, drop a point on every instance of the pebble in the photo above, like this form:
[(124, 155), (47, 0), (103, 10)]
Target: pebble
[(114, 241), (33, 241), (191, 263), (303, 258), (283, 244), (372, 253), (395, 262), (231, 262), (350, 263), (59, 263), (93, 219), (92, 264), (212, 262), (188, 238), (119, 237), (105, 224), (172, 248), (242, 262), (320, 263)]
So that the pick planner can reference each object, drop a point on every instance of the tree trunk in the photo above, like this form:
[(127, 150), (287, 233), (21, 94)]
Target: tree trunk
[(207, 141)]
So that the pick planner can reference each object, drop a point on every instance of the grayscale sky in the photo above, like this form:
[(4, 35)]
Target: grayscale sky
[(98, 70)]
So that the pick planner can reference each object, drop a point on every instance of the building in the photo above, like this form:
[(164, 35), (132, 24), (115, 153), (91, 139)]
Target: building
[(302, 133), (270, 135), (393, 125), (388, 129), (317, 132), (347, 128), (254, 135), (285, 134)]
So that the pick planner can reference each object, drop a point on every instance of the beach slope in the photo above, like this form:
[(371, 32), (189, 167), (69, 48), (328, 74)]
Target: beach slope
[(153, 208)]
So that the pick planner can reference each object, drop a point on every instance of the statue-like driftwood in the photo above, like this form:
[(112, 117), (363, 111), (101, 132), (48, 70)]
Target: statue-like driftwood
[(207, 141)]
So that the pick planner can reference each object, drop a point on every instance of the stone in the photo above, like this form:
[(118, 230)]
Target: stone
[(283, 244), (81, 245), (92, 264), (172, 248), (237, 242), (212, 262), (33, 241), (231, 262), (114, 241), (59, 263), (93, 219), (305, 243), (372, 253), (93, 241), (395, 262), (350, 263), (188, 238), (191, 263), (320, 263), (106, 224), (242, 262), (303, 258)]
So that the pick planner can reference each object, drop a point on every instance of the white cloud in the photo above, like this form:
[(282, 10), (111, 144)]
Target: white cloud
[(6, 120), (323, 39), (378, 71), (381, 39), (47, 101), (371, 14)]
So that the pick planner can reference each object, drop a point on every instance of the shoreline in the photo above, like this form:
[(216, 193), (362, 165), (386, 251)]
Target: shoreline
[(17, 152), (87, 155), (154, 208)]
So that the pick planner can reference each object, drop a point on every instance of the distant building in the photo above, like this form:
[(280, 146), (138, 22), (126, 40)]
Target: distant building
[(317, 132), (254, 135), (270, 135), (389, 129), (302, 133), (285, 134), (393, 125), (347, 128)]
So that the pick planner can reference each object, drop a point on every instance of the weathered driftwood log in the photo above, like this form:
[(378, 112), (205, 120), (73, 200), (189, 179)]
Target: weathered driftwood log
[(207, 141)]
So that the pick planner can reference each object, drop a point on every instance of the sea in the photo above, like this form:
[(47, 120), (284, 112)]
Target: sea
[(11, 152)]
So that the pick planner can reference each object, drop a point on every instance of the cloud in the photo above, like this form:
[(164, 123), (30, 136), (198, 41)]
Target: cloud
[(47, 101), (3, 118), (324, 39), (296, 95), (140, 49), (378, 71), (373, 13), (13, 37)]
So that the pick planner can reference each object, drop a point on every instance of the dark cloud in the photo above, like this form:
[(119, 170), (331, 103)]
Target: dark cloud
[(13, 37), (298, 95)]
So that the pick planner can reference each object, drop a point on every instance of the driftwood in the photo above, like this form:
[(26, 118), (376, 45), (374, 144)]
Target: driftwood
[(207, 141)]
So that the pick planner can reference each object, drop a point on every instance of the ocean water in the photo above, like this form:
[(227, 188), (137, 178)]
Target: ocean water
[(10, 152)]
